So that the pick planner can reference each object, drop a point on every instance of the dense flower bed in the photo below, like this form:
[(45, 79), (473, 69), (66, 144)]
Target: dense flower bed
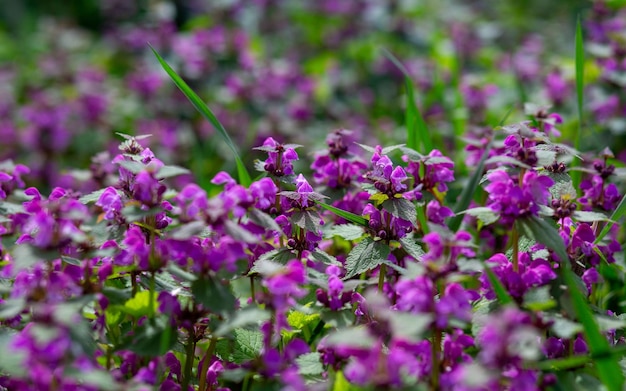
[(483, 257)]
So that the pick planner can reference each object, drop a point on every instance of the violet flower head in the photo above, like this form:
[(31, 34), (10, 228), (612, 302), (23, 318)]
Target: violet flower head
[(385, 225), (438, 171), (598, 194), (111, 203), (280, 157), (387, 179), (11, 177), (512, 201)]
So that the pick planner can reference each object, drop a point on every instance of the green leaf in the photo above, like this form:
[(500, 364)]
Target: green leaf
[(539, 299), (357, 337), (263, 219), (484, 214), (588, 216), (324, 257), (351, 217), (468, 192), (244, 176), (139, 305), (171, 171), (417, 130), (545, 233), (307, 219), (94, 196), (153, 338), (618, 213), (409, 244), (187, 231), (11, 308), (310, 364), (213, 295), (71, 261), (562, 187), (239, 233), (245, 317), (246, 346), (346, 231), (580, 76), (366, 255), (402, 208)]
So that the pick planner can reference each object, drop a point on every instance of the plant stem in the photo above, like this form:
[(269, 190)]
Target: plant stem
[(381, 277), (191, 348), (436, 350), (152, 292), (252, 290), (205, 363), (515, 239)]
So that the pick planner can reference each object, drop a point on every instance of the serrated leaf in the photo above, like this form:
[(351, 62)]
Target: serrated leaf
[(353, 337), (310, 364), (588, 216), (507, 160), (391, 148), (346, 231), (246, 346), (539, 299), (402, 208), (307, 219), (243, 318), (244, 176), (93, 196), (11, 308), (187, 231), (325, 258), (171, 171), (263, 219), (366, 255), (543, 232), (562, 187), (411, 247), (239, 233), (484, 214), (9, 208), (213, 295), (71, 261), (132, 166)]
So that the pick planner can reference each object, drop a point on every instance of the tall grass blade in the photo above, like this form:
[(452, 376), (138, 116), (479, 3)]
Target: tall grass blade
[(608, 366), (417, 130), (580, 76), (615, 217), (244, 176), (351, 217)]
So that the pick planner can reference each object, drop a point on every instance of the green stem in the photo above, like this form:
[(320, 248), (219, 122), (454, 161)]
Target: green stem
[(152, 293), (205, 363), (252, 290), (515, 239), (381, 277), (436, 350), (191, 348)]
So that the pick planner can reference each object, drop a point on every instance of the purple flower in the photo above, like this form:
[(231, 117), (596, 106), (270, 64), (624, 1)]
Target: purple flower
[(280, 157), (598, 194), (438, 171), (111, 203), (512, 201)]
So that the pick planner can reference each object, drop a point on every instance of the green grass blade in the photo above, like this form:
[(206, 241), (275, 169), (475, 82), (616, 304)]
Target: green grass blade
[(580, 76), (501, 293), (351, 217), (417, 130), (607, 365), (244, 176), (615, 217)]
